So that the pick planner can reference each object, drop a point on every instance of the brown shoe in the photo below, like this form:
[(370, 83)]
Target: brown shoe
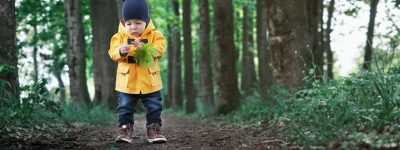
[(154, 134), (125, 134)]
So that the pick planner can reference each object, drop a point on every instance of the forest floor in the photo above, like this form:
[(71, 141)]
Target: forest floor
[(182, 133)]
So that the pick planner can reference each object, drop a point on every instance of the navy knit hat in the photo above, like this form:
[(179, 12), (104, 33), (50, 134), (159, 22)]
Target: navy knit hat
[(135, 9)]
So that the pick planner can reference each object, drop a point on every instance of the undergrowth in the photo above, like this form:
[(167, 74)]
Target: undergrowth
[(362, 110), (36, 113)]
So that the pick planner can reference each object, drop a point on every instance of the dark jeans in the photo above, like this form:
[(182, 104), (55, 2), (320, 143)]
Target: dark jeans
[(127, 103)]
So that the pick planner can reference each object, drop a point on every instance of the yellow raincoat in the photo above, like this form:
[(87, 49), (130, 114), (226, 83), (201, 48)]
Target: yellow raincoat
[(131, 78)]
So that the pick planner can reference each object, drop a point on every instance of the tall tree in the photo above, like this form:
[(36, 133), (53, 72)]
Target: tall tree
[(288, 41), (175, 93), (76, 52), (187, 40), (104, 77), (206, 80), (248, 70), (329, 30), (264, 59), (251, 44), (315, 57), (370, 35), (322, 36), (245, 84), (59, 58), (57, 69), (35, 61), (119, 8), (8, 50), (227, 85), (169, 102)]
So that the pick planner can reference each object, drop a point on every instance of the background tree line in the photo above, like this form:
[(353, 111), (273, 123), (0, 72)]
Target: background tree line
[(219, 52)]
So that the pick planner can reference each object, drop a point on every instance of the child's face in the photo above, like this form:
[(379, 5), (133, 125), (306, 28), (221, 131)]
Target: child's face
[(135, 27)]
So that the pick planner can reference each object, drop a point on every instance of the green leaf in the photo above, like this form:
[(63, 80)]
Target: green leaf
[(57, 90), (397, 3), (6, 69), (145, 55)]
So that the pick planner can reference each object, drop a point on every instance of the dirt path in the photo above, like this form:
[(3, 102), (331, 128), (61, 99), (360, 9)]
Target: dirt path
[(181, 133)]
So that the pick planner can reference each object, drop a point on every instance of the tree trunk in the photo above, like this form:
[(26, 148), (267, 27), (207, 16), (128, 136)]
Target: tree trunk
[(315, 60), (247, 84), (206, 80), (187, 34), (119, 8), (9, 51), (104, 67), (370, 35), (252, 68), (169, 102), (176, 82), (76, 52), (289, 37), (34, 54), (61, 86), (322, 37), (264, 59), (227, 86), (329, 53), (35, 64)]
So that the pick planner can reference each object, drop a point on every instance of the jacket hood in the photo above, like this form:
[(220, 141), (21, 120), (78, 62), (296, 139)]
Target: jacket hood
[(150, 27)]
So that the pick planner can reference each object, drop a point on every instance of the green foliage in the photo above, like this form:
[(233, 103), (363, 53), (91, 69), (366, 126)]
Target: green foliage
[(385, 58), (372, 140), (162, 16), (36, 113), (6, 69), (58, 40), (87, 27), (145, 55), (251, 111), (86, 114), (34, 100), (396, 2), (363, 103), (35, 110), (354, 8), (361, 109), (43, 23)]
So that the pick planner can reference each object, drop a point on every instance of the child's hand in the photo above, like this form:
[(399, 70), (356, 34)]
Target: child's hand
[(137, 44), (124, 49)]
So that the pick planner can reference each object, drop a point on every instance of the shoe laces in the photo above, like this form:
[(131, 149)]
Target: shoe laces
[(158, 130), (124, 130), (155, 129)]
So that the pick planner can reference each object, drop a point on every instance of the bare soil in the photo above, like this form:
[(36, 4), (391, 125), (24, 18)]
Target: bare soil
[(181, 133)]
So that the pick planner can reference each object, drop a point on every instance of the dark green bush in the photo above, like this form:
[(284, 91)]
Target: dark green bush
[(34, 110), (36, 113), (86, 114), (362, 104), (363, 109)]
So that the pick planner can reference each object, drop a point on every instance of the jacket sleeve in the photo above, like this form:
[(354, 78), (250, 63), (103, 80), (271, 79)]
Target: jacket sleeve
[(159, 43), (115, 45)]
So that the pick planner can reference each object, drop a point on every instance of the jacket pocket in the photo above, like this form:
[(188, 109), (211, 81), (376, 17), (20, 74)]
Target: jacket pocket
[(155, 77), (122, 76)]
